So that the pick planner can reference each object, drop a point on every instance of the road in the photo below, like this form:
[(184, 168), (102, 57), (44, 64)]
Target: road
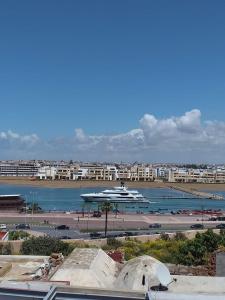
[(76, 234)]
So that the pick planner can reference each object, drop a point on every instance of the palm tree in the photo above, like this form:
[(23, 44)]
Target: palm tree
[(106, 207), (34, 207)]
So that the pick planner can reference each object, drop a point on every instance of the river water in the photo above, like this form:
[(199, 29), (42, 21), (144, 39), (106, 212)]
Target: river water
[(68, 199)]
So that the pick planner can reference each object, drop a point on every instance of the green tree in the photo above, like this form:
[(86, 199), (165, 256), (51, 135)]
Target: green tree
[(34, 207), (193, 252), (209, 239), (45, 246), (106, 207), (18, 235)]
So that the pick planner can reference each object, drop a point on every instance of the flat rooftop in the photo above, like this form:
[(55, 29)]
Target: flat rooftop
[(19, 267)]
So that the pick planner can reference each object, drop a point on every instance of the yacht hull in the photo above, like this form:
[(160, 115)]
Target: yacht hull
[(113, 200)]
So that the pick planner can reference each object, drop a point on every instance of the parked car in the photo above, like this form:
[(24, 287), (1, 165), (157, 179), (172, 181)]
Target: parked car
[(95, 235), (220, 226), (155, 225), (62, 227), (212, 219), (97, 214), (65, 237), (197, 226), (129, 233), (2, 226), (22, 226)]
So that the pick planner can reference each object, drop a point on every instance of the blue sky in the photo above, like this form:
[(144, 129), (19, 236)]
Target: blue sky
[(102, 66)]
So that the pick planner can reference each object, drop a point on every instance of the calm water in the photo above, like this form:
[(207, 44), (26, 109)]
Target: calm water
[(69, 199)]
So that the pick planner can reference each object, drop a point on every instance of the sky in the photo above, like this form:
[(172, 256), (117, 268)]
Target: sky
[(115, 80)]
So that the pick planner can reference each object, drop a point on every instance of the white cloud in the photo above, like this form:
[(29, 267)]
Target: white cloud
[(182, 138), (11, 136)]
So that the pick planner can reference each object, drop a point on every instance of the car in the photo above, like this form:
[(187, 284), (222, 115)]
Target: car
[(2, 226), (197, 226), (97, 214), (155, 225), (95, 235), (220, 226), (62, 227), (212, 219), (65, 237), (129, 233), (22, 226)]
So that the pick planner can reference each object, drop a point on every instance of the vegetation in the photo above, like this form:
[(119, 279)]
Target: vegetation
[(106, 207), (176, 250), (34, 208), (5, 249), (194, 166), (18, 235), (45, 246)]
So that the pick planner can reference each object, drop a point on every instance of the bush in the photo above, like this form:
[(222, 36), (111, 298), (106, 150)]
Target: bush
[(5, 249), (164, 236), (114, 243), (45, 246), (18, 235), (180, 236)]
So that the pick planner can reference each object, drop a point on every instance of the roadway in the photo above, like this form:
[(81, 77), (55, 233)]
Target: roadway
[(73, 233)]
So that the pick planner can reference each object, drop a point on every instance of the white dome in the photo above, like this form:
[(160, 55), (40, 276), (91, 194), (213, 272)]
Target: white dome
[(141, 273)]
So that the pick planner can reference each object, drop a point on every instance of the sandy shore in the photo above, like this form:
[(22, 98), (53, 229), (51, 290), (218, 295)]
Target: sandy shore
[(92, 184)]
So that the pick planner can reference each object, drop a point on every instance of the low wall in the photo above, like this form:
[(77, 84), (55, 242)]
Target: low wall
[(5, 268), (15, 246)]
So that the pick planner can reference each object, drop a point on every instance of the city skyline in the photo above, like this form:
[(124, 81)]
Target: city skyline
[(113, 81)]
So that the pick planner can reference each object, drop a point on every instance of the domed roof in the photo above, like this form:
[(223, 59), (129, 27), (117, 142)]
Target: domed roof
[(141, 273)]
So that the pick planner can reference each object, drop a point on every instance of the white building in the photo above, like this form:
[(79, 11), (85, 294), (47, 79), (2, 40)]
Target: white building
[(46, 172), (19, 168)]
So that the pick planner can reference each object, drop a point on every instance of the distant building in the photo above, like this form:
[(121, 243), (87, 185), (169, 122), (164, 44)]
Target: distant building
[(19, 168), (46, 173), (197, 176)]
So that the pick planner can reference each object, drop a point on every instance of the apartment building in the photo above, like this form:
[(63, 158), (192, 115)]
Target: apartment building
[(46, 173), (197, 176), (124, 174), (142, 173), (220, 176), (63, 173), (19, 168), (80, 173)]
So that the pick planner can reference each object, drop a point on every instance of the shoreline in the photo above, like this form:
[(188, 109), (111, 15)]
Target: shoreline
[(98, 184)]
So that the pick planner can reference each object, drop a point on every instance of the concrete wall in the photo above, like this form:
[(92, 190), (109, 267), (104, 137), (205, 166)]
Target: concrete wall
[(14, 245), (220, 264)]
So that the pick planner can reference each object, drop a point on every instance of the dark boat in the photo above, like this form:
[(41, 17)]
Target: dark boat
[(11, 203)]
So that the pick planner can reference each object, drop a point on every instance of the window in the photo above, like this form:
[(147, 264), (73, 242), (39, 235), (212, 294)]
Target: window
[(143, 280)]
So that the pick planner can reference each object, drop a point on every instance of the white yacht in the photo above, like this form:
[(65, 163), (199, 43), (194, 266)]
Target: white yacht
[(117, 194)]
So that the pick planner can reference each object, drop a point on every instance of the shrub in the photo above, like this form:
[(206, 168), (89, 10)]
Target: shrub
[(164, 236), (18, 235), (180, 236), (45, 246), (114, 243), (5, 249)]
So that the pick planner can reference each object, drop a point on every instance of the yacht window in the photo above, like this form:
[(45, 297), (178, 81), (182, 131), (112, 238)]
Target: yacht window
[(143, 280)]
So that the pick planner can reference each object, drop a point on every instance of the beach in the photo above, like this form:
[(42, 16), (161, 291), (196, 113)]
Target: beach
[(24, 181)]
